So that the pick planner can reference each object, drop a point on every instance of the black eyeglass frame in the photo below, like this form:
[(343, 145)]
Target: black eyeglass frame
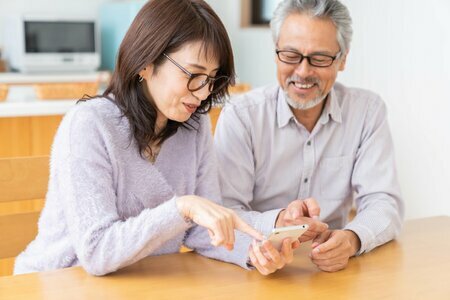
[(308, 58), (209, 80)]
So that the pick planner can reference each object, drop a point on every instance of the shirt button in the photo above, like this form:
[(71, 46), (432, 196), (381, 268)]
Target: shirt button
[(308, 143), (305, 180)]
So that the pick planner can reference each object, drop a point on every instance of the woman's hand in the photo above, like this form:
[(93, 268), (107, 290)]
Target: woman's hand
[(266, 259), (220, 221)]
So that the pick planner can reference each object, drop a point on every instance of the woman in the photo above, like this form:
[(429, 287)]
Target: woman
[(132, 171)]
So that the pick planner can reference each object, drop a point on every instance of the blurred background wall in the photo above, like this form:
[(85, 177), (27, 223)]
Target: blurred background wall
[(400, 50)]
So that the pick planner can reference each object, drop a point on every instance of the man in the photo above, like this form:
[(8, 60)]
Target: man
[(313, 137)]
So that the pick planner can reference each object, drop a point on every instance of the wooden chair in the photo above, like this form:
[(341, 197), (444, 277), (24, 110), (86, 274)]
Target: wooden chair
[(233, 90), (214, 116), (22, 181)]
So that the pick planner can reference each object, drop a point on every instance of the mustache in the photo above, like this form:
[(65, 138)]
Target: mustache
[(307, 80)]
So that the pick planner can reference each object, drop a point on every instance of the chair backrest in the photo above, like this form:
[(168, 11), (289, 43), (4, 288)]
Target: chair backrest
[(232, 90), (214, 116), (21, 178)]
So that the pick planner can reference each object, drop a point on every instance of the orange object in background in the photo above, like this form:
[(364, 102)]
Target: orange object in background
[(3, 92), (239, 88), (233, 90), (2, 65), (77, 90)]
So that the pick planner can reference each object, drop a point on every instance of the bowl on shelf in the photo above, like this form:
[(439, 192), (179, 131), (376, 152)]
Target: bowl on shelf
[(3, 92), (70, 90)]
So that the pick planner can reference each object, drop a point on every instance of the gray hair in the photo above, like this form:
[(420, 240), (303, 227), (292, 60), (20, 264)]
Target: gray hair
[(332, 9)]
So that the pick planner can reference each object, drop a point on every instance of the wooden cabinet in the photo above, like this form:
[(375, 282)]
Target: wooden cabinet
[(43, 130), (33, 136), (27, 136), (15, 137)]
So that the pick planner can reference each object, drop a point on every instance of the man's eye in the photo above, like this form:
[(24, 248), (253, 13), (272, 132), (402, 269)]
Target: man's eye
[(291, 56)]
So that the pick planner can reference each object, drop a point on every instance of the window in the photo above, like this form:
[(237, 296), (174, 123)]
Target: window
[(258, 12)]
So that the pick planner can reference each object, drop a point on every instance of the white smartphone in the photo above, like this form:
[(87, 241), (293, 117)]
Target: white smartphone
[(279, 234)]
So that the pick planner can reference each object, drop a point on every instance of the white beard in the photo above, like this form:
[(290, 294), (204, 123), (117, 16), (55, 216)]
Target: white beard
[(304, 106)]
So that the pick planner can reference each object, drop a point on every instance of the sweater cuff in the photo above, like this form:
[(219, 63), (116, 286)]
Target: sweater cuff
[(171, 205)]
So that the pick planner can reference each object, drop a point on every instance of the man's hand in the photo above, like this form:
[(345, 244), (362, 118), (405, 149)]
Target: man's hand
[(303, 208), (266, 259), (301, 212), (333, 248)]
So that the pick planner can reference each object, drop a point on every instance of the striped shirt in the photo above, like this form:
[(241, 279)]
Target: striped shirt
[(268, 159)]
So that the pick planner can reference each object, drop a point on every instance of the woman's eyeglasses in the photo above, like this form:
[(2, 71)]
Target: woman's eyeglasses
[(199, 80)]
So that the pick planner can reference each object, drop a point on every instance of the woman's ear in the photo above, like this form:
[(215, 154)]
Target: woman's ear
[(147, 72)]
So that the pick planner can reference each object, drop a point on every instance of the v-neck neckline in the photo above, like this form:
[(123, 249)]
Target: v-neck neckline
[(162, 151)]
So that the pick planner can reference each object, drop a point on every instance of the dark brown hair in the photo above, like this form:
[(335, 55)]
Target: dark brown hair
[(165, 26)]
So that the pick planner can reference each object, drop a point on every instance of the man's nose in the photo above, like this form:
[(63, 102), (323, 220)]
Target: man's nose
[(303, 69)]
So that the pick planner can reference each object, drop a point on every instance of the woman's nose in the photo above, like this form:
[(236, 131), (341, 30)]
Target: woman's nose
[(202, 93)]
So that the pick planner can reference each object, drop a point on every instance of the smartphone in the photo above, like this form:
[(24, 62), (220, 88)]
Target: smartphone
[(279, 234)]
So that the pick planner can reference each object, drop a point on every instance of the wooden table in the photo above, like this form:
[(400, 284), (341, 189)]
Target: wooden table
[(416, 266)]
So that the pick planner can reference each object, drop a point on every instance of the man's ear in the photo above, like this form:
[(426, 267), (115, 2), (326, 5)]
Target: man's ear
[(342, 62), (275, 57)]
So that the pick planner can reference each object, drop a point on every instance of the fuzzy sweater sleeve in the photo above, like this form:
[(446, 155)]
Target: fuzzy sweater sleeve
[(86, 186), (207, 186)]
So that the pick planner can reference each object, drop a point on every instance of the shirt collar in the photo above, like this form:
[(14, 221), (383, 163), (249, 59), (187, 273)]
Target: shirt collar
[(332, 109), (284, 112)]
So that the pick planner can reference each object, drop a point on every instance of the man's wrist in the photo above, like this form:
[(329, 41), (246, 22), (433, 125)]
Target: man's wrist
[(280, 219), (354, 241)]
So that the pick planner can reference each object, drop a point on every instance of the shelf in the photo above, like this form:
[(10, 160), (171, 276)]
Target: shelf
[(35, 108), (26, 79), (22, 101)]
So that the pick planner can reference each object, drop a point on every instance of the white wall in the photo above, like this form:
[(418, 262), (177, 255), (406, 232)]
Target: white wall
[(253, 47), (401, 50)]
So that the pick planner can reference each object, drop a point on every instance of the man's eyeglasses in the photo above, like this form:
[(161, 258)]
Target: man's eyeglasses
[(198, 80), (317, 60)]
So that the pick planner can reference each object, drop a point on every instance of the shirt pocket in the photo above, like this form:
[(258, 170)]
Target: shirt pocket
[(335, 177)]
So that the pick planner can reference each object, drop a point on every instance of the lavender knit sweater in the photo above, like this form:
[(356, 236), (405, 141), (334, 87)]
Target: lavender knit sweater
[(107, 207)]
